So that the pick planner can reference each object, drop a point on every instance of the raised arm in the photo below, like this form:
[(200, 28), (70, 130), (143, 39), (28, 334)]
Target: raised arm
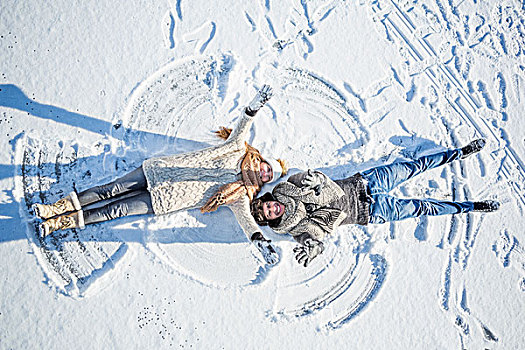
[(241, 209), (240, 132)]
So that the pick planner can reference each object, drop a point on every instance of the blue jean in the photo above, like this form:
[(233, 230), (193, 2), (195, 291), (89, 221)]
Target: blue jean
[(127, 195), (383, 179)]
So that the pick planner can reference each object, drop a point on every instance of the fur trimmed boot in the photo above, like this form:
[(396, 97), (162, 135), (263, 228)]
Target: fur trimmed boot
[(64, 205), (62, 222)]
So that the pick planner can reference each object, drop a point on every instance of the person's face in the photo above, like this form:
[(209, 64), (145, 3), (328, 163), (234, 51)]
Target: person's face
[(273, 210), (266, 172)]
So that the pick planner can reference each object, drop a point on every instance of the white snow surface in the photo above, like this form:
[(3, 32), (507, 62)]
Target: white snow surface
[(90, 89)]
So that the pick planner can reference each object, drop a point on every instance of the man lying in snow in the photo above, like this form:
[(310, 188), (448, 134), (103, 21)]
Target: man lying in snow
[(310, 205), (228, 174)]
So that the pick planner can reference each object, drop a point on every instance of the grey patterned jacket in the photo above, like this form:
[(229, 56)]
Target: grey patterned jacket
[(308, 214)]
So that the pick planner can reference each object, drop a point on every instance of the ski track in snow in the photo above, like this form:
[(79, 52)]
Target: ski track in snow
[(464, 103), (456, 100)]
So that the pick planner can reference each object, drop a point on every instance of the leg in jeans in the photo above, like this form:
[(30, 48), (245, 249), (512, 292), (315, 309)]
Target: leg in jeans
[(134, 181), (135, 204), (384, 178), (387, 208)]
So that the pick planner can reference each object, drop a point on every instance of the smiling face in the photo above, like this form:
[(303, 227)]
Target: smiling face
[(266, 172), (273, 210)]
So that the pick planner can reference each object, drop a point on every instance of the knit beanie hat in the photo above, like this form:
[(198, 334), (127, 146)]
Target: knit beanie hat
[(279, 168)]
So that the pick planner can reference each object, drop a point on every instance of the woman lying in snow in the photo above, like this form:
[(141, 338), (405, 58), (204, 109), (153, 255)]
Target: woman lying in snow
[(310, 205), (228, 174)]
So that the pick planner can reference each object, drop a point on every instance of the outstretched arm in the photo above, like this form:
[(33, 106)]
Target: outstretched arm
[(263, 95), (241, 209), (241, 130)]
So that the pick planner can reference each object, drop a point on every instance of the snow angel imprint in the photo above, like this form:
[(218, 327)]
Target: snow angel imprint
[(230, 174)]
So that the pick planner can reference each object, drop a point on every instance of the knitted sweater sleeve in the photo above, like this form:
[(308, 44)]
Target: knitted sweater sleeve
[(240, 132), (241, 210)]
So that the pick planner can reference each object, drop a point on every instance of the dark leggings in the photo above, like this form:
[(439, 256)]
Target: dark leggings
[(128, 196)]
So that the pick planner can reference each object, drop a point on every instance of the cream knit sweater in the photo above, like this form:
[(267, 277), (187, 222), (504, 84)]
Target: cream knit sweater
[(187, 180)]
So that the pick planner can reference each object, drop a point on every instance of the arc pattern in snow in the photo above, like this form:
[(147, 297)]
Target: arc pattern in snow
[(194, 92), (71, 260)]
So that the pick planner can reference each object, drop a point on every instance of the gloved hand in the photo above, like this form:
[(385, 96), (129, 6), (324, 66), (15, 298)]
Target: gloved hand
[(313, 181), (266, 248), (264, 94), (309, 251)]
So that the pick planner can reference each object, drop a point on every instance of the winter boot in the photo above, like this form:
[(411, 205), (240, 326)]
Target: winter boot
[(473, 147), (486, 206), (63, 222), (46, 211)]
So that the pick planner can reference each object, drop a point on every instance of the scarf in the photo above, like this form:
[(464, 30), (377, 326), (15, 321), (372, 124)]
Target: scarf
[(249, 185)]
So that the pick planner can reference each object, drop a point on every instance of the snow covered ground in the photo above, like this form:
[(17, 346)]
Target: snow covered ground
[(90, 89)]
